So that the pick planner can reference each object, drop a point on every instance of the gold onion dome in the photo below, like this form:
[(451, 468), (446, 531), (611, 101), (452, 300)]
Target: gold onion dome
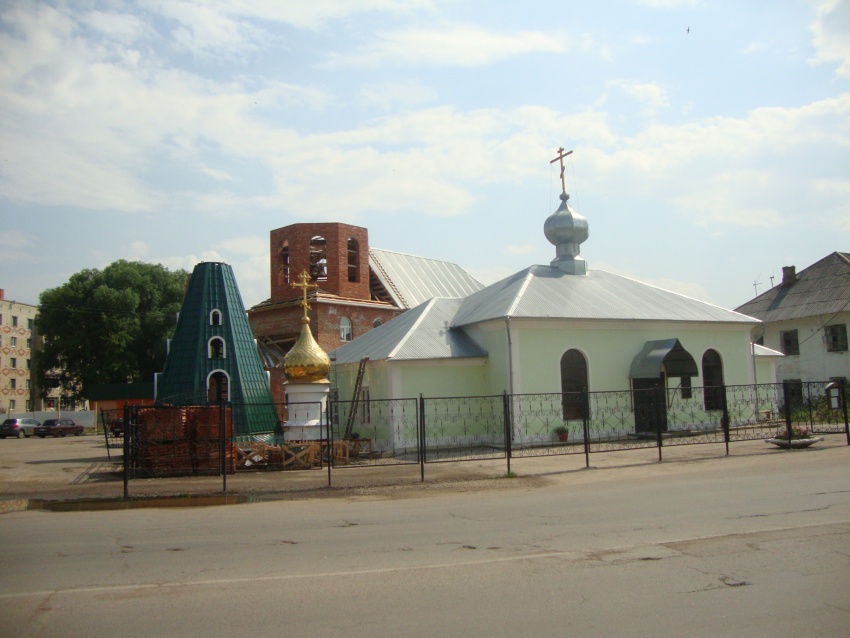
[(306, 362)]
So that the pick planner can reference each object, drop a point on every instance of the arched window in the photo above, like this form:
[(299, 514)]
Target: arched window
[(284, 261), (573, 382), (353, 260), (377, 323), (215, 317), (216, 348), (318, 259), (218, 387), (712, 380), (345, 329)]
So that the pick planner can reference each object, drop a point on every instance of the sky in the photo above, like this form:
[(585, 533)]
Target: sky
[(710, 139)]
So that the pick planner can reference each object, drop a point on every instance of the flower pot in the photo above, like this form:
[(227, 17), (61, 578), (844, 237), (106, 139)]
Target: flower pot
[(794, 443), (563, 436)]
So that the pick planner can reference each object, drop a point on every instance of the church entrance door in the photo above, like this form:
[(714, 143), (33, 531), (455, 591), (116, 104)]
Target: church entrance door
[(650, 404)]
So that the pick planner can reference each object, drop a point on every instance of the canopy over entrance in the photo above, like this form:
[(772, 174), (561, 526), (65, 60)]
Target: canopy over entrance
[(669, 353)]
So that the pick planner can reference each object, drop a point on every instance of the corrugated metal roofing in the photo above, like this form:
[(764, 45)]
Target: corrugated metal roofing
[(420, 333), (764, 351), (411, 280), (547, 292), (821, 289)]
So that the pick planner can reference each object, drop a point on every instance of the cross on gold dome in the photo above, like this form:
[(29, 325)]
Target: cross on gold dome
[(561, 156), (304, 285)]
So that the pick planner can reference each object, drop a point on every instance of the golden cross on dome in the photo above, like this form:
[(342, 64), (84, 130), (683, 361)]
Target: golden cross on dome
[(561, 156), (304, 285)]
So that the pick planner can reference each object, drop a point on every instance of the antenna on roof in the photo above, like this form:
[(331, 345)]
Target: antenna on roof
[(756, 285)]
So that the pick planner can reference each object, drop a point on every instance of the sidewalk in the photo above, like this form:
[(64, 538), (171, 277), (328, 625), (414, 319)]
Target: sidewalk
[(79, 468)]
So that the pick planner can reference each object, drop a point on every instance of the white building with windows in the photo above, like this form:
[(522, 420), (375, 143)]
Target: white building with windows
[(558, 328), (17, 378), (806, 318)]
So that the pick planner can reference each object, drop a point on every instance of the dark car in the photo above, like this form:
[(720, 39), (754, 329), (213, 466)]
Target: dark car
[(19, 428), (116, 427), (58, 427)]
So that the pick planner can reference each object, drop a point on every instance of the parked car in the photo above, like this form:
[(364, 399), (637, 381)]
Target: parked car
[(19, 428), (58, 427), (116, 427)]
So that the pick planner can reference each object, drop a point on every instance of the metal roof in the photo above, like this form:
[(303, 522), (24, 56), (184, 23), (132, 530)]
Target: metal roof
[(188, 364), (411, 280), (821, 289), (420, 333), (764, 351), (547, 292)]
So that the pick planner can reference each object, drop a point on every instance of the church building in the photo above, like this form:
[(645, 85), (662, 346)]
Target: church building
[(556, 328), (355, 288)]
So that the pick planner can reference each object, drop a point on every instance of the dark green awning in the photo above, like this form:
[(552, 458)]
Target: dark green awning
[(670, 354)]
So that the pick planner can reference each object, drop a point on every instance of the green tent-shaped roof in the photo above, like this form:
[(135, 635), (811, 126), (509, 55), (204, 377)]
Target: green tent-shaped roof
[(212, 355)]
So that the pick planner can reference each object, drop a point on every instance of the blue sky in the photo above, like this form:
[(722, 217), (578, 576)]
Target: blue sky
[(711, 139)]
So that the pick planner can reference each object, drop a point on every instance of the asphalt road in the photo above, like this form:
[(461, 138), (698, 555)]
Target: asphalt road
[(734, 546)]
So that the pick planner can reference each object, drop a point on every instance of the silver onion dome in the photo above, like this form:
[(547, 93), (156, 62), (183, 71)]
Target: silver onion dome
[(566, 230)]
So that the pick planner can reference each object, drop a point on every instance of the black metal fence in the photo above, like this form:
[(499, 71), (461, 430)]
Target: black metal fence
[(200, 440)]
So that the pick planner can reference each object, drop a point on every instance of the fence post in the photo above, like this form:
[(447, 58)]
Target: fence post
[(844, 408), (222, 445), (811, 407), (585, 424), (725, 416), (330, 438), (786, 396), (659, 397), (506, 419), (126, 441), (421, 434)]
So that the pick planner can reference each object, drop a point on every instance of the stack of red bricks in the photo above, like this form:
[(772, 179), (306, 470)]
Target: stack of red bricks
[(179, 441)]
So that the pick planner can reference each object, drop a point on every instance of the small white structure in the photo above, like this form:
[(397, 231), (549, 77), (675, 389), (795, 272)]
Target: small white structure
[(306, 368)]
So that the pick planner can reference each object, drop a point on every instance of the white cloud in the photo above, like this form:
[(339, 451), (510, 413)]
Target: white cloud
[(16, 246), (650, 94), (138, 250), (830, 34), (305, 15), (450, 45), (520, 250), (668, 4), (392, 94), (753, 47)]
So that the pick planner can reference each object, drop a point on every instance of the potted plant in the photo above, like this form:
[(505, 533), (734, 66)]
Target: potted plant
[(562, 432), (800, 437)]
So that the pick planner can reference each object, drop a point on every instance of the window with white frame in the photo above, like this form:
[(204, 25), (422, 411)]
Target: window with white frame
[(216, 348), (345, 329)]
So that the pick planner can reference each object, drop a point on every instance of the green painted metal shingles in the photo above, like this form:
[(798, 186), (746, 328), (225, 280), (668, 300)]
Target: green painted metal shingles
[(184, 378)]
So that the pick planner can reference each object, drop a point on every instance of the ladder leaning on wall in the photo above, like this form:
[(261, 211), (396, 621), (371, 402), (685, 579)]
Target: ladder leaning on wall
[(355, 401)]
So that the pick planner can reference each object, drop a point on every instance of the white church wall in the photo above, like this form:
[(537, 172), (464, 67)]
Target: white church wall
[(493, 337), (610, 348), (444, 378)]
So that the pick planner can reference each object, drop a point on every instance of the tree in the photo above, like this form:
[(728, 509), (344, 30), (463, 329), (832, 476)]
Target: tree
[(107, 326)]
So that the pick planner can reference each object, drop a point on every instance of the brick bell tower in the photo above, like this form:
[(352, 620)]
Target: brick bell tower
[(335, 255)]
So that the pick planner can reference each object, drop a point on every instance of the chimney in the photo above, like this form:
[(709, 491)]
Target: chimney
[(2, 294), (789, 275)]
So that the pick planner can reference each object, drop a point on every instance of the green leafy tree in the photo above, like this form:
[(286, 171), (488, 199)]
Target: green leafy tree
[(107, 326)]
